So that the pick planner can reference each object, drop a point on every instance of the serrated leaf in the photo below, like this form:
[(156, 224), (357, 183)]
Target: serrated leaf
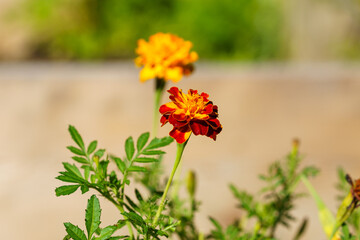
[(131, 202), (76, 137), (86, 172), (67, 237), (66, 190), (71, 175), (92, 178), (216, 224), (106, 233), (135, 218), (99, 153), (129, 148), (142, 140), (92, 146), (76, 150), (73, 169), (153, 152), (69, 179), (119, 163), (138, 196), (159, 142), (80, 159), (84, 189), (92, 215), (145, 160), (137, 169), (75, 232)]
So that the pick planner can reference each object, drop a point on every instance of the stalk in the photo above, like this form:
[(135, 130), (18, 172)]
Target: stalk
[(159, 88), (179, 152)]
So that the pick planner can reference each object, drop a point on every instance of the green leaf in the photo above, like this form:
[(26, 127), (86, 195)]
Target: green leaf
[(73, 169), (138, 196), (99, 153), (154, 152), (159, 142), (76, 137), (129, 148), (80, 159), (75, 232), (106, 233), (92, 146), (92, 215), (67, 237), (132, 204), (84, 189), (135, 218), (70, 179), (137, 169), (66, 190), (76, 150), (119, 163), (216, 224), (142, 140), (145, 160), (86, 171)]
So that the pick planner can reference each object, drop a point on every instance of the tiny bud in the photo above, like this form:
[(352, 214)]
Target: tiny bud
[(191, 183), (96, 160)]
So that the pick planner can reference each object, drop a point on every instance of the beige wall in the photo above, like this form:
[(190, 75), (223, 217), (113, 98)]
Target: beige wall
[(262, 108)]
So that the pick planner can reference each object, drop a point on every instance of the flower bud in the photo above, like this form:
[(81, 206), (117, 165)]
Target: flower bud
[(191, 183)]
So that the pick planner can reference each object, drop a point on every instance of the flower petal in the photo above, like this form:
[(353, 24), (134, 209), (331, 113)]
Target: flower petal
[(214, 123), (167, 108), (180, 114), (181, 134), (199, 127), (173, 74), (164, 119), (176, 123), (147, 73)]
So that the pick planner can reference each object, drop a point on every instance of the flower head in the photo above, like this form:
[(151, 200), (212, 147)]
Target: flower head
[(348, 205), (190, 113), (165, 56)]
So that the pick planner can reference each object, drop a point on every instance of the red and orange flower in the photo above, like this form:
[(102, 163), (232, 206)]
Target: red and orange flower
[(165, 56), (190, 113)]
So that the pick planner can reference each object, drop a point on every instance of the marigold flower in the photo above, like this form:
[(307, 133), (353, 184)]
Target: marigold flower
[(190, 113), (165, 56)]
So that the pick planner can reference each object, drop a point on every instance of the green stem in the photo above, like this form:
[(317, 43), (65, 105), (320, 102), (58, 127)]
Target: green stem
[(159, 88), (118, 206), (179, 152)]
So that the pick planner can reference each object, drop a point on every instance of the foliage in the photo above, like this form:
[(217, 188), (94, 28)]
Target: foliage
[(343, 187), (266, 211), (107, 29), (94, 174), (274, 208)]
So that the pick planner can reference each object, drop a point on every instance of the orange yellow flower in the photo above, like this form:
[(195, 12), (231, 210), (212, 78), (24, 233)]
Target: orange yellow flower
[(190, 113), (165, 56)]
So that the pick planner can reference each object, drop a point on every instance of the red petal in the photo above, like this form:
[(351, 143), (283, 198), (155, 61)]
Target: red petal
[(214, 123), (199, 127), (176, 123), (212, 133), (179, 115), (168, 107), (205, 95), (164, 119), (208, 109), (191, 91), (180, 134)]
